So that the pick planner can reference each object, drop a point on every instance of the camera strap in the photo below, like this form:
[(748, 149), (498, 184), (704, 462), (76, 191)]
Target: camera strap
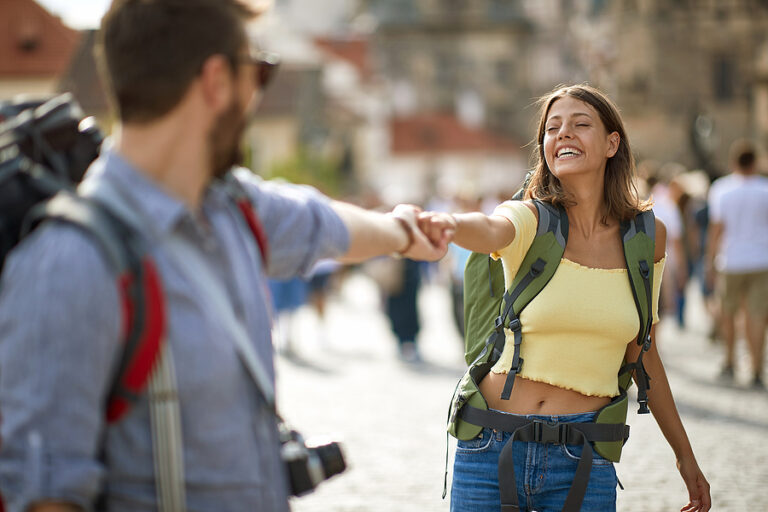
[(189, 260)]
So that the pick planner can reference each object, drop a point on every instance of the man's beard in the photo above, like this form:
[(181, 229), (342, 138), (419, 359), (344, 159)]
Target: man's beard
[(225, 139)]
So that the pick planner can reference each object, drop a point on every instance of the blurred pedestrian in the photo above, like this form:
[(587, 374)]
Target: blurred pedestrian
[(661, 186), (577, 331), (738, 252), (692, 203), (319, 286), (288, 295), (466, 200), (402, 308), (182, 76)]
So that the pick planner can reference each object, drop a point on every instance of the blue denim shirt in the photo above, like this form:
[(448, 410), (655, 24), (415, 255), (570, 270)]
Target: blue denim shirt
[(60, 334)]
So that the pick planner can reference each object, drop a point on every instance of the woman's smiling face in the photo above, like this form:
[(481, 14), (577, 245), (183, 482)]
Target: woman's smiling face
[(575, 139)]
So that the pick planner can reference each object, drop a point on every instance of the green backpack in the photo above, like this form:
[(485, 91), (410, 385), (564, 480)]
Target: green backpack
[(488, 309)]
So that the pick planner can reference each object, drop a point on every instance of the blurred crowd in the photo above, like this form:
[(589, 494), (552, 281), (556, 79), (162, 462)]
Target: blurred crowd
[(682, 199)]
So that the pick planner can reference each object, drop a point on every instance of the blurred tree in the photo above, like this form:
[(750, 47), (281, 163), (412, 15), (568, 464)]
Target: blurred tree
[(309, 168)]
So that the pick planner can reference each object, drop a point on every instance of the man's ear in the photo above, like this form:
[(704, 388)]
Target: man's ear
[(216, 82), (613, 143)]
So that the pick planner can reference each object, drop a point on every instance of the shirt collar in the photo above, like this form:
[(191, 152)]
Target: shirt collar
[(158, 210)]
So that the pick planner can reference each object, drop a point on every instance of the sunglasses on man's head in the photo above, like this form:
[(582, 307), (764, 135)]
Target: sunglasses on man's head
[(266, 65)]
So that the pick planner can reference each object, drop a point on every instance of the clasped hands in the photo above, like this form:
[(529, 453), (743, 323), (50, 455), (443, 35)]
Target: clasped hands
[(432, 231)]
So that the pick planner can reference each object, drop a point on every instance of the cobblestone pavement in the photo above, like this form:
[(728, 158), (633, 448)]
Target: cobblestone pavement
[(347, 381)]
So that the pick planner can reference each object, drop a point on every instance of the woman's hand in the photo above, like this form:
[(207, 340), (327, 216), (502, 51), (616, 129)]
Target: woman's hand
[(428, 245), (434, 224), (698, 487)]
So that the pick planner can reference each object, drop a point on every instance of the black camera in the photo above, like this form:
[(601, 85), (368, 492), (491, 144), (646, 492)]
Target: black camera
[(308, 464)]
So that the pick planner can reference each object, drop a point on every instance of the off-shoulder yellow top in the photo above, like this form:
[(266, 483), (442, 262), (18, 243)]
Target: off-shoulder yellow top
[(576, 330)]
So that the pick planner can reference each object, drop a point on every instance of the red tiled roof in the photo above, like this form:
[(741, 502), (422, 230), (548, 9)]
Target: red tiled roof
[(33, 42), (442, 133), (351, 49)]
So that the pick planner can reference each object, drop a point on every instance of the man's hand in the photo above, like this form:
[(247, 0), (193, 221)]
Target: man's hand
[(430, 244), (434, 224)]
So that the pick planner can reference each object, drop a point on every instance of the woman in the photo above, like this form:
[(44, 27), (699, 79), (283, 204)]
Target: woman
[(584, 163)]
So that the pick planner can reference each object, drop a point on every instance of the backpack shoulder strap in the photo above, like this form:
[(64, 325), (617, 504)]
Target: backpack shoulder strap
[(638, 237), (538, 267), (541, 260), (140, 288), (245, 206)]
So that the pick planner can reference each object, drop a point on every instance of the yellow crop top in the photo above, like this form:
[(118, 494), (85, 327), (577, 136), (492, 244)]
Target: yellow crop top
[(576, 330)]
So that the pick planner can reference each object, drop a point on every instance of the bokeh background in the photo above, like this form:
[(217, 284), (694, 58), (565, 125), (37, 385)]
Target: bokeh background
[(413, 98), (433, 102)]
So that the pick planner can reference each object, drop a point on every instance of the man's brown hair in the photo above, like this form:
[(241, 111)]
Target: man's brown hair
[(622, 201), (149, 51)]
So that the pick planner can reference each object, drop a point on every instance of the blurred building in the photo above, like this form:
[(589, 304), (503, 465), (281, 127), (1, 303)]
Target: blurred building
[(439, 154), (82, 79), (406, 93), (35, 49), (378, 141), (290, 116), (689, 75)]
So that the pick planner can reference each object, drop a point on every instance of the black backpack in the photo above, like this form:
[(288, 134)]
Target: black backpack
[(45, 147)]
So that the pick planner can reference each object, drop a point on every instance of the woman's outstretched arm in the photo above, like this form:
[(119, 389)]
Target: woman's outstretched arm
[(474, 231)]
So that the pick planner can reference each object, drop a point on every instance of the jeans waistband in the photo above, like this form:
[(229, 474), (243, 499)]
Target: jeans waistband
[(579, 417)]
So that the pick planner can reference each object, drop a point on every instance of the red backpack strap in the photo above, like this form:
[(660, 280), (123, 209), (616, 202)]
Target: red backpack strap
[(141, 295), (245, 206), (143, 327)]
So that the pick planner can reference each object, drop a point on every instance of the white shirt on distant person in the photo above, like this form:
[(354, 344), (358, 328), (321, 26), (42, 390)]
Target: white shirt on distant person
[(740, 203)]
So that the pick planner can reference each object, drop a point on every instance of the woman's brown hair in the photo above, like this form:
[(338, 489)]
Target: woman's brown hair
[(622, 201)]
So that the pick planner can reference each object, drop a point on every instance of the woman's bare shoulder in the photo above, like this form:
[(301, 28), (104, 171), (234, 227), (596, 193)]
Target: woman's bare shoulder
[(531, 206)]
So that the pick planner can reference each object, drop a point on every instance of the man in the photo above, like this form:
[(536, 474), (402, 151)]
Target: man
[(182, 78), (738, 251)]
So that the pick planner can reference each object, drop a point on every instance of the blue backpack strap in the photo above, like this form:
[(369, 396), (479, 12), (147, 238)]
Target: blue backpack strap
[(638, 237), (538, 267)]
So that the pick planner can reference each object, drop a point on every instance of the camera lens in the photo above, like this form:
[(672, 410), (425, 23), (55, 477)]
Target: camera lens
[(331, 458)]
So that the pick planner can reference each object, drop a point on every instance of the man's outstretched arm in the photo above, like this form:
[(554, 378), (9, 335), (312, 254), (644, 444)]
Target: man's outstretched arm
[(374, 234)]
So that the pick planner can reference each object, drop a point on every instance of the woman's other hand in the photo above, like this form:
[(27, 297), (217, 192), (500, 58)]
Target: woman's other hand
[(698, 487)]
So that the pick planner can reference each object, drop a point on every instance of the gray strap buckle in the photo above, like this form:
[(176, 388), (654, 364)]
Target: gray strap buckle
[(544, 432)]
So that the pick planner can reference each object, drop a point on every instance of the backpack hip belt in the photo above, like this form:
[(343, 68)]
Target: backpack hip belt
[(537, 431)]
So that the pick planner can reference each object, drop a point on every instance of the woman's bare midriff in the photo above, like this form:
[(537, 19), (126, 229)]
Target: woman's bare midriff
[(531, 397)]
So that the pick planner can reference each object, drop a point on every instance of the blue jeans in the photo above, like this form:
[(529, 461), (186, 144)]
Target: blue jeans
[(543, 473)]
